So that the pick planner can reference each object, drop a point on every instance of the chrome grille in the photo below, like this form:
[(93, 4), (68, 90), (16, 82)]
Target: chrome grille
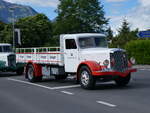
[(12, 60), (120, 61)]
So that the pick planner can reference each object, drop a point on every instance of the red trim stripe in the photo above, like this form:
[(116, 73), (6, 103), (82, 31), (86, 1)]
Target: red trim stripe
[(38, 61)]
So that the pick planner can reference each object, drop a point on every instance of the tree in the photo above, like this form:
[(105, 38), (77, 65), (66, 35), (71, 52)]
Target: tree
[(35, 30), (2, 26), (109, 34), (125, 35), (6, 34), (78, 16)]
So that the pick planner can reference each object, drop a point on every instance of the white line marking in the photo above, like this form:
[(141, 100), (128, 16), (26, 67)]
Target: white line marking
[(66, 92), (42, 86), (66, 87), (30, 83), (105, 103)]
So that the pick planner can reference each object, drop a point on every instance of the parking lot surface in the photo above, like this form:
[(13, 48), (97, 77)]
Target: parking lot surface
[(17, 95)]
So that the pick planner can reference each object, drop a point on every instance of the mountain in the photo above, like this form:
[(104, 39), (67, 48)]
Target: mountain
[(7, 10)]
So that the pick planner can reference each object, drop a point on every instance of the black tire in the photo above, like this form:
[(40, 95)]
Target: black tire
[(87, 81), (30, 74), (123, 81), (20, 71)]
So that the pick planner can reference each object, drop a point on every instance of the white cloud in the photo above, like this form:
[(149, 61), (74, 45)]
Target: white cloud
[(42, 3), (115, 0), (138, 17), (145, 2)]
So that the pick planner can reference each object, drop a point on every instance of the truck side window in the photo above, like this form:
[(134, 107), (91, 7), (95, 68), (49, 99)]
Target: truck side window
[(70, 44)]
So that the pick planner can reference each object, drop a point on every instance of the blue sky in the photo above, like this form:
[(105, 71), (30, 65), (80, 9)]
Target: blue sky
[(137, 12)]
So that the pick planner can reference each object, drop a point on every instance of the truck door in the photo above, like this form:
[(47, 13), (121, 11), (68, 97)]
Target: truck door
[(71, 55)]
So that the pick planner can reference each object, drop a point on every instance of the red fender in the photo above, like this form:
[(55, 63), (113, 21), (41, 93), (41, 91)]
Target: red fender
[(37, 68), (95, 68), (92, 65)]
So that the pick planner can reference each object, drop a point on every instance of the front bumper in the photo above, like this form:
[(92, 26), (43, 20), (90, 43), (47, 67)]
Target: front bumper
[(114, 73)]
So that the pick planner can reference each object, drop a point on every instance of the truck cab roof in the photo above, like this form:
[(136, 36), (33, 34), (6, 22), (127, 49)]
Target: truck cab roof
[(5, 44), (83, 35)]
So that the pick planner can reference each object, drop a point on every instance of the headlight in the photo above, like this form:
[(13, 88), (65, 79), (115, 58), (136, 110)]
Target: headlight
[(106, 62), (132, 60)]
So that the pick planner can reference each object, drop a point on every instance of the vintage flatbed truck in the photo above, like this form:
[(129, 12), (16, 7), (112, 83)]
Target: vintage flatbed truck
[(86, 56)]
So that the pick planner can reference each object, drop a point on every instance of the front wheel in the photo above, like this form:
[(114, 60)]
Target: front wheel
[(123, 81), (87, 81)]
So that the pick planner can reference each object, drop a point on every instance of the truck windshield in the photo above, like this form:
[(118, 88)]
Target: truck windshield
[(92, 42), (5, 49)]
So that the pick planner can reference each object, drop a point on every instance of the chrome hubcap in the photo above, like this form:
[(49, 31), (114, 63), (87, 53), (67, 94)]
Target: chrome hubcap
[(85, 78)]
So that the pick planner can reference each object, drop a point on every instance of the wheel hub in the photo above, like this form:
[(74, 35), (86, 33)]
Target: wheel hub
[(85, 78)]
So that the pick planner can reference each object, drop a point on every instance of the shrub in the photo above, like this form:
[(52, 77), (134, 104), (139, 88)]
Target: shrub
[(140, 50)]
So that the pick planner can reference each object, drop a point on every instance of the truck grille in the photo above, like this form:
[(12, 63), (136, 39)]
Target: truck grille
[(11, 60), (120, 61)]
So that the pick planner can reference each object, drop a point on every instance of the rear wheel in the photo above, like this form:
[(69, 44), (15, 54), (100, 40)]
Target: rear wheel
[(30, 74), (87, 81), (123, 81)]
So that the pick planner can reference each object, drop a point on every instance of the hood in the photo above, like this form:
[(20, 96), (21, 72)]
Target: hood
[(100, 50), (98, 55)]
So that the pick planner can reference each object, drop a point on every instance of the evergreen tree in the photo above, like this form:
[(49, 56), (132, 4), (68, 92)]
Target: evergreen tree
[(125, 28), (78, 16), (109, 34), (125, 35)]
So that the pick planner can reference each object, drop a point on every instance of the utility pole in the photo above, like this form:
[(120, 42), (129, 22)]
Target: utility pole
[(13, 26)]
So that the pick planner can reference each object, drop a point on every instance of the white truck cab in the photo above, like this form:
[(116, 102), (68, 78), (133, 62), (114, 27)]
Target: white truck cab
[(84, 55), (84, 47), (7, 58)]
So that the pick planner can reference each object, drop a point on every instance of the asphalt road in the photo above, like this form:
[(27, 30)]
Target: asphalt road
[(17, 95)]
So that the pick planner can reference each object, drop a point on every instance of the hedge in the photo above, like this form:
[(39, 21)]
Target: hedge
[(140, 50)]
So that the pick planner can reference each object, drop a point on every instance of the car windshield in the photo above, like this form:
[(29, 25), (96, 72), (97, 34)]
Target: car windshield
[(5, 49), (92, 42)]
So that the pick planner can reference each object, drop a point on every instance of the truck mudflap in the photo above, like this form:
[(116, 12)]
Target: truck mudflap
[(114, 73)]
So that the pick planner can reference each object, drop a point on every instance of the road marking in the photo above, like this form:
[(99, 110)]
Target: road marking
[(66, 92), (42, 86), (29, 83), (105, 103), (66, 87)]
